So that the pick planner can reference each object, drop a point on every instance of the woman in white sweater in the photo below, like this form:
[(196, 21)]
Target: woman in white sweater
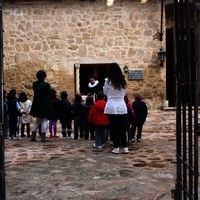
[(115, 90)]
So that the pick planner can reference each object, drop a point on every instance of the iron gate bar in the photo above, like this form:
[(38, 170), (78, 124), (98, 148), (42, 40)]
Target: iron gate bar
[(186, 100), (195, 85), (2, 167)]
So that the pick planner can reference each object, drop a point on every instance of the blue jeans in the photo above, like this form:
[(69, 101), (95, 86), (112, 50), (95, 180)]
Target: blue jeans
[(100, 135)]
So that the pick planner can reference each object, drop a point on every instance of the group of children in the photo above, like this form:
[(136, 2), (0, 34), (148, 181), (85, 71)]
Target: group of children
[(16, 112), (88, 118)]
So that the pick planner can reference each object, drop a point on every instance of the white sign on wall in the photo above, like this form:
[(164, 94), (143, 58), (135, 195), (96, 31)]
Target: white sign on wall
[(135, 74)]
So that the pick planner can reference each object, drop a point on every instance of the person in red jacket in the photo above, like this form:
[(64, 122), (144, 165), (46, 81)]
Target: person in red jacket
[(99, 119)]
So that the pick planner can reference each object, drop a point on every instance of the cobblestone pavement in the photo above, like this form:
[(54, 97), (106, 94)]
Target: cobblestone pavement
[(64, 169)]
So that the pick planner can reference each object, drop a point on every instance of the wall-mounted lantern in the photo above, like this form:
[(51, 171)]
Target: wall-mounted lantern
[(161, 53), (125, 69), (161, 56)]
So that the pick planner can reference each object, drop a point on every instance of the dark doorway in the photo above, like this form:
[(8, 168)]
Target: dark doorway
[(89, 70)]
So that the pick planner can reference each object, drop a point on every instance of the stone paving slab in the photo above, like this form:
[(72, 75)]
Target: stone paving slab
[(73, 169)]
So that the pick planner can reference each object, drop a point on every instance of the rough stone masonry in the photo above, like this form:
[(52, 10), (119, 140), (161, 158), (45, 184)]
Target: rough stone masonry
[(54, 36)]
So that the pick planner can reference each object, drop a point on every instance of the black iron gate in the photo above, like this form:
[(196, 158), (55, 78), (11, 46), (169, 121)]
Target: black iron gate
[(2, 169), (187, 71)]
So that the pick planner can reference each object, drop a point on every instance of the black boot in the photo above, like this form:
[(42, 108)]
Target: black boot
[(33, 135), (69, 134), (64, 134), (43, 137), (22, 131)]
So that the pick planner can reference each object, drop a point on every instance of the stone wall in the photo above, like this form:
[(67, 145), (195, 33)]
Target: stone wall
[(55, 35)]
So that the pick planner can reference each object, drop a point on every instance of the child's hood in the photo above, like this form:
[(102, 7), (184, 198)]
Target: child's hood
[(78, 98)]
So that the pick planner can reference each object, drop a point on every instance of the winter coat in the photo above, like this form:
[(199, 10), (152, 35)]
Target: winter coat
[(26, 106), (78, 109), (55, 107), (130, 113), (140, 109), (64, 114), (12, 107), (115, 99), (87, 109), (96, 115), (41, 106)]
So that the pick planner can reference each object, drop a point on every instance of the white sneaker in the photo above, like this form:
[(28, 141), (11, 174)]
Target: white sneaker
[(133, 140), (70, 137), (16, 138), (130, 141), (115, 150), (125, 150), (99, 147), (10, 138)]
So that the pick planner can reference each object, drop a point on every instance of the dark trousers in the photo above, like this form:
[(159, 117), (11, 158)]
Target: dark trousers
[(27, 129), (117, 126), (13, 125), (78, 126), (128, 132), (137, 126), (109, 134), (6, 126), (66, 125), (89, 128)]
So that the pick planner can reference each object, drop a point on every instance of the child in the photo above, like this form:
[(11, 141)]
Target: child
[(14, 111), (140, 109), (53, 120), (89, 128), (25, 120), (78, 115), (130, 118), (64, 115), (99, 119)]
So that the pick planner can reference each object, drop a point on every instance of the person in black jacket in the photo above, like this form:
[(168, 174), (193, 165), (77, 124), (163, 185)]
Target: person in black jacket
[(94, 87), (141, 111), (41, 107), (64, 115), (89, 128), (53, 120), (14, 111), (78, 111)]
